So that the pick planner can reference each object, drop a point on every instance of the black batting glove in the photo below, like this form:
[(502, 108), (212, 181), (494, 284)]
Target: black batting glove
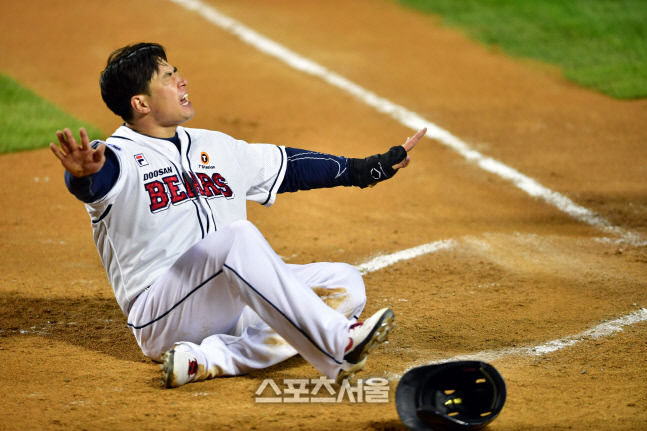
[(373, 169)]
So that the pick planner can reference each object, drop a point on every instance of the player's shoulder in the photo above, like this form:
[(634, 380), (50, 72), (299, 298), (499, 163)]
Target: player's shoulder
[(123, 139), (194, 133), (211, 138)]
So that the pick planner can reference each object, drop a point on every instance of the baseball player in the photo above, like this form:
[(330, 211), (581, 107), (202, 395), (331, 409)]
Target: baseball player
[(203, 291)]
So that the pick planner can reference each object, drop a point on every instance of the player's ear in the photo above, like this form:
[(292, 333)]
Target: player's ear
[(140, 105)]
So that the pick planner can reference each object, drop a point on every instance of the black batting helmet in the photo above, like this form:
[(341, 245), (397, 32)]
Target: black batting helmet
[(461, 395)]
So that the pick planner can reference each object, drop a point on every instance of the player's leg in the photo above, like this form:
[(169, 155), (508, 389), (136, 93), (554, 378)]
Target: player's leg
[(225, 271), (339, 285), (253, 344)]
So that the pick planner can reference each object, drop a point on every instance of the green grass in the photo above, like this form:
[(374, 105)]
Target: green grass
[(600, 44), (27, 121)]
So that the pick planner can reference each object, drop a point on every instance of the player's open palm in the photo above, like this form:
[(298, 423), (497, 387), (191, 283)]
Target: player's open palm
[(78, 160)]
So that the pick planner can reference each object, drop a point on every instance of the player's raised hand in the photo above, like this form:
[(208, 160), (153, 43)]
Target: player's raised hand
[(78, 160), (408, 146), (371, 170)]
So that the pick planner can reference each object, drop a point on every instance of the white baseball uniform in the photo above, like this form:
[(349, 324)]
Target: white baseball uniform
[(187, 267)]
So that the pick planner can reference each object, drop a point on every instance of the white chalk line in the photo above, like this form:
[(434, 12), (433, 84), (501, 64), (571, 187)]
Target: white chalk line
[(407, 118), (384, 261), (415, 122), (600, 331)]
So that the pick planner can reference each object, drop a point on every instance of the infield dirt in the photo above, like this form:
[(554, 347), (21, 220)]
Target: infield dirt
[(522, 273)]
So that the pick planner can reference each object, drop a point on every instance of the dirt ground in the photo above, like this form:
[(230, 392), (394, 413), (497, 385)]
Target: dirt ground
[(521, 273)]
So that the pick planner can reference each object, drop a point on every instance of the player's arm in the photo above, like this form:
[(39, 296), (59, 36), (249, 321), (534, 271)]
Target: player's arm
[(90, 171), (310, 170)]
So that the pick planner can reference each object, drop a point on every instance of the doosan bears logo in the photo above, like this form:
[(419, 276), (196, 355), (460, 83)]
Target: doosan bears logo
[(167, 187)]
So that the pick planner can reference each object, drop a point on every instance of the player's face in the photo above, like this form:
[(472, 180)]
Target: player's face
[(169, 98)]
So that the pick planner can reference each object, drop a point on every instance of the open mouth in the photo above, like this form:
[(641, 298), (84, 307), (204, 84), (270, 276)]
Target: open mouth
[(184, 101)]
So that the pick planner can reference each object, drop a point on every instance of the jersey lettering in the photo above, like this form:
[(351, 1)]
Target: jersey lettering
[(159, 198), (172, 189), (209, 186), (191, 186), (221, 183), (177, 195), (157, 173)]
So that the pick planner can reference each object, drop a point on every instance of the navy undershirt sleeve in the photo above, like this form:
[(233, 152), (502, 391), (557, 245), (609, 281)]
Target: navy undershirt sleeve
[(310, 170), (95, 186)]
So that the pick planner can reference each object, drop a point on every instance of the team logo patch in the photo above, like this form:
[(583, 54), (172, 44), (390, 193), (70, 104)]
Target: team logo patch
[(141, 160), (193, 367), (204, 157)]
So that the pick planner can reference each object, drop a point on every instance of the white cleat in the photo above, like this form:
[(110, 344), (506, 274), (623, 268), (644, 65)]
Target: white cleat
[(179, 368), (363, 338)]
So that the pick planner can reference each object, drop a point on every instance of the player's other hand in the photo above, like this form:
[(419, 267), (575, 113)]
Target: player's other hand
[(408, 146), (78, 160)]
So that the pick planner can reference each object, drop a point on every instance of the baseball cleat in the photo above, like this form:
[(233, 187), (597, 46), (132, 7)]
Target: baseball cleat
[(179, 368), (363, 338)]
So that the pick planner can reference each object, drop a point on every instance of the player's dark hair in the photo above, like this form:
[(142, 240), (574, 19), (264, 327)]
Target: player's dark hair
[(128, 73)]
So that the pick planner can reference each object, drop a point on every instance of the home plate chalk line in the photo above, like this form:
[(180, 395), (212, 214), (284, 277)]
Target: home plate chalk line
[(416, 122), (602, 330), (384, 261)]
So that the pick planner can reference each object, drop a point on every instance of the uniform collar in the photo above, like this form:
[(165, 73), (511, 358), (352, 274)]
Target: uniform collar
[(151, 141)]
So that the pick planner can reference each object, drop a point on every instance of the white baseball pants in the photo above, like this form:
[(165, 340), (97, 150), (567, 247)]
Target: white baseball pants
[(238, 307)]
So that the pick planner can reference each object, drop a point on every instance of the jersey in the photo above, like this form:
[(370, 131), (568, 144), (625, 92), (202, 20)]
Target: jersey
[(164, 200)]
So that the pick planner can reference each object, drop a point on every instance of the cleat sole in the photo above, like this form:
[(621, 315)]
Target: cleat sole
[(379, 336), (167, 369)]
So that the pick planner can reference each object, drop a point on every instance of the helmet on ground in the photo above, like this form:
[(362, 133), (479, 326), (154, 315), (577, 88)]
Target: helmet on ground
[(460, 395)]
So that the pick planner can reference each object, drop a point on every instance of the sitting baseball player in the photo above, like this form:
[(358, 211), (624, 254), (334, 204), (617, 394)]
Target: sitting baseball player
[(203, 291)]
